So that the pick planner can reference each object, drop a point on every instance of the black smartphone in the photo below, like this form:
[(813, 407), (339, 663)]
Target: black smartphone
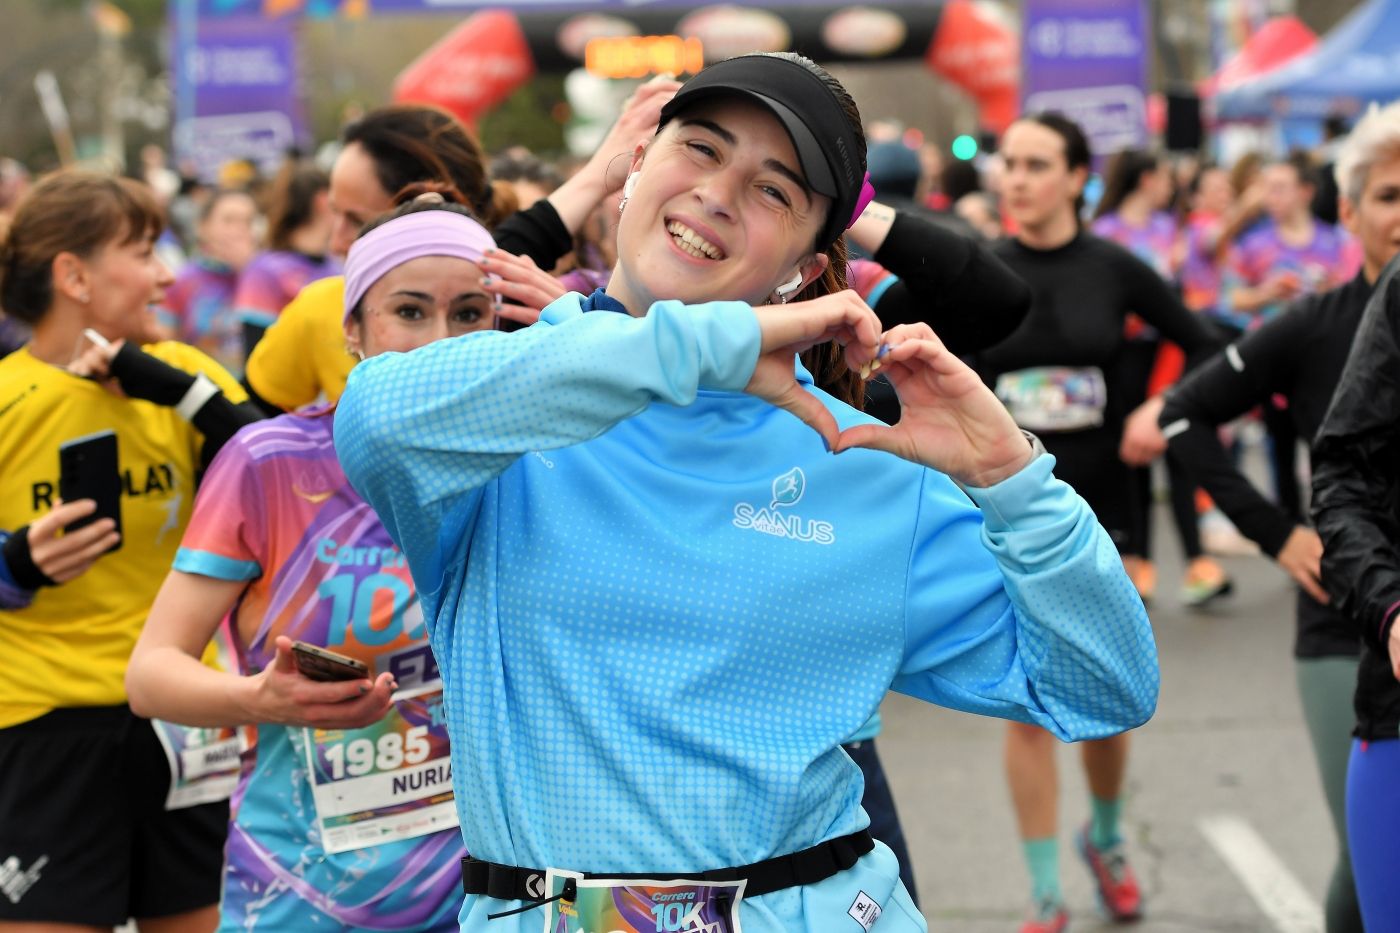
[(317, 663), (87, 469)]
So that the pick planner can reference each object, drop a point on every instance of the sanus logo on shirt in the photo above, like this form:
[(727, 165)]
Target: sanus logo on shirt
[(788, 490)]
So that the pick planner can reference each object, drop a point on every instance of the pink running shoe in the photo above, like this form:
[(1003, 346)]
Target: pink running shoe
[(1118, 890), (1049, 916)]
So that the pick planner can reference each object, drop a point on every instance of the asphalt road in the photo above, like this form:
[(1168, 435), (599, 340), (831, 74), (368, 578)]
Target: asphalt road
[(1226, 757)]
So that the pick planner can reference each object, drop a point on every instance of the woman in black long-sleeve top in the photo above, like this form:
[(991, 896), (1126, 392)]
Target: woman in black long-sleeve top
[(1061, 374), (1356, 505), (1300, 355)]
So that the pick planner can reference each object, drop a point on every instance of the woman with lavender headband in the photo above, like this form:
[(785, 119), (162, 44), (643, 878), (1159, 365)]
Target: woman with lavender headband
[(344, 818)]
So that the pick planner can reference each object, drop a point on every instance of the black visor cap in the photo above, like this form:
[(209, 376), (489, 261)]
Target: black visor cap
[(827, 146)]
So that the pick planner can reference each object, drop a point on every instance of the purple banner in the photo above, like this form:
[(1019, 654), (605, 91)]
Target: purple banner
[(1088, 60), (236, 91)]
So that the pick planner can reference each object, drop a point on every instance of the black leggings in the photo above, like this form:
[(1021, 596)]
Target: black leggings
[(1089, 462), (1181, 495), (1139, 357)]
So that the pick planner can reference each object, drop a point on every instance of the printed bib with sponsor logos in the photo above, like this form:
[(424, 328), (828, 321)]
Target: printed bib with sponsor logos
[(204, 763), (388, 781), (1054, 398), (604, 905)]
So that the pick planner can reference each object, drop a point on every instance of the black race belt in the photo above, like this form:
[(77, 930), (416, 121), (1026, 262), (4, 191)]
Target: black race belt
[(821, 861)]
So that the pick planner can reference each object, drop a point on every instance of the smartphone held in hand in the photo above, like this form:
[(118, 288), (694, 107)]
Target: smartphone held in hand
[(317, 663), (88, 470)]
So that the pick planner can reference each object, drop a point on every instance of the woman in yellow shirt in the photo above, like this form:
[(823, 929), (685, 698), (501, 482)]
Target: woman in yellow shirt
[(86, 836)]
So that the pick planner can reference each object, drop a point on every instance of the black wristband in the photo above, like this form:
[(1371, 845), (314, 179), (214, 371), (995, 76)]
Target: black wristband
[(23, 570), (143, 376)]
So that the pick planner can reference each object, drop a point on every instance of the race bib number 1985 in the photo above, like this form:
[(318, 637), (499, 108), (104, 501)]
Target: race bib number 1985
[(388, 781)]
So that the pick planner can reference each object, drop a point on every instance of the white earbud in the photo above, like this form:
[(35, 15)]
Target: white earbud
[(790, 286), (629, 186)]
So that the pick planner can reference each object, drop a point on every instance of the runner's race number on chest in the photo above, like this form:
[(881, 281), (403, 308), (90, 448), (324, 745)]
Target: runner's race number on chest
[(1054, 398), (386, 782)]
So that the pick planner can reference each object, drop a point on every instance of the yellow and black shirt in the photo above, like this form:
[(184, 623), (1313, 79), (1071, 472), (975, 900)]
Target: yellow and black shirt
[(302, 357), (70, 646)]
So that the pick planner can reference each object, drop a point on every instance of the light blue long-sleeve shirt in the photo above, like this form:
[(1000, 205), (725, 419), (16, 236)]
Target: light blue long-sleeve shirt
[(659, 605)]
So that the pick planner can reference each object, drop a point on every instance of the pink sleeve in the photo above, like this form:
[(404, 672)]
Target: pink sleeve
[(227, 534)]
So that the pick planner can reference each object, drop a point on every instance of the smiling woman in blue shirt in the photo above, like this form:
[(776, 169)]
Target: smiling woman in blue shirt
[(660, 603)]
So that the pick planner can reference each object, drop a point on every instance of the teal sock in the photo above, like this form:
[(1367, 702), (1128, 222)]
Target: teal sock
[(1043, 860), (1103, 827)]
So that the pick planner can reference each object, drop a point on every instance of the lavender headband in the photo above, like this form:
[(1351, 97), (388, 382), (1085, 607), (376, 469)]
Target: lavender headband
[(412, 236)]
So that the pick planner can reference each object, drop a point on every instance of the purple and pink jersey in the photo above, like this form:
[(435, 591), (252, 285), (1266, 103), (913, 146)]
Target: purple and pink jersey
[(1155, 243), (272, 280), (1200, 271), (331, 829), (1332, 258), (199, 307)]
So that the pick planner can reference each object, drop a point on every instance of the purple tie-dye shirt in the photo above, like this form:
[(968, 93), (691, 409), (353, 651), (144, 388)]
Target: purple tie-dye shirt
[(199, 307), (1200, 270), (1155, 243), (1330, 259), (273, 279)]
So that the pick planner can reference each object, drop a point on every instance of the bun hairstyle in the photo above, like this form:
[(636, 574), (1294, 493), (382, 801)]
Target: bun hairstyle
[(416, 198), (413, 143), (1077, 154), (423, 196), (74, 212)]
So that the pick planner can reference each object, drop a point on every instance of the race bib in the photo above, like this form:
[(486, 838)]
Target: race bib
[(1054, 398), (203, 763), (386, 782), (605, 905)]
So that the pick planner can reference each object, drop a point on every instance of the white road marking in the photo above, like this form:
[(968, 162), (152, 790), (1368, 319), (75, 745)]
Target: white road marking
[(1278, 893)]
